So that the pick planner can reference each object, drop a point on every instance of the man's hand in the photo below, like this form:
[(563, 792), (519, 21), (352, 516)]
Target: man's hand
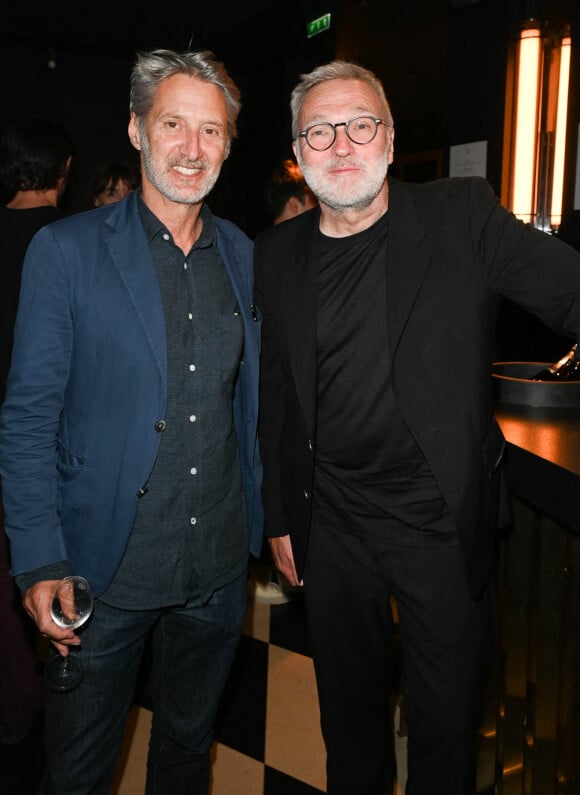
[(284, 558), (36, 602)]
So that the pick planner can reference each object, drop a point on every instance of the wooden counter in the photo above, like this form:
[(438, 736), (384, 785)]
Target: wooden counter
[(543, 459)]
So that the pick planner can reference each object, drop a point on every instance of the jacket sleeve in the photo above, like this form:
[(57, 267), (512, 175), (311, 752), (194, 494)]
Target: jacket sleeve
[(529, 267), (30, 416)]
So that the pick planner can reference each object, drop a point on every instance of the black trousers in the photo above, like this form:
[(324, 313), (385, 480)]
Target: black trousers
[(448, 643)]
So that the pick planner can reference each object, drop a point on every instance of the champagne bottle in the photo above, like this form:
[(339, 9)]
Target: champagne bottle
[(565, 369)]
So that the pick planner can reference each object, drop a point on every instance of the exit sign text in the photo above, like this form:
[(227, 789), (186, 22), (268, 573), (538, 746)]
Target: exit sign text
[(317, 25)]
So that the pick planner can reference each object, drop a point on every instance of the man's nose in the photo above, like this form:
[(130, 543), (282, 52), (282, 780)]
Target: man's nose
[(342, 144), (192, 145)]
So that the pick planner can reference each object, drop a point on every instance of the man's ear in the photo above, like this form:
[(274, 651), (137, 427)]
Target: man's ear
[(134, 134), (391, 151)]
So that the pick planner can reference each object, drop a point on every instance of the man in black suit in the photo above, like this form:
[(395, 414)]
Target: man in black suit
[(381, 454)]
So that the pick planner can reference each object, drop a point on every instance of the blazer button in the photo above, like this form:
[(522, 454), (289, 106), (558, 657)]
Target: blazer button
[(160, 426), (309, 445), (306, 494)]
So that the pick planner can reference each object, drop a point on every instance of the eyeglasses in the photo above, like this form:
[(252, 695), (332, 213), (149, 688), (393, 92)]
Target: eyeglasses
[(360, 130)]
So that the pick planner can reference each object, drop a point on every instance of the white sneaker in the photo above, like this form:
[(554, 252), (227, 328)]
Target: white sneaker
[(267, 593)]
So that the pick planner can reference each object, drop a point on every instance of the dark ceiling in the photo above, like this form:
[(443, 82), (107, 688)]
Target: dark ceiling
[(125, 25)]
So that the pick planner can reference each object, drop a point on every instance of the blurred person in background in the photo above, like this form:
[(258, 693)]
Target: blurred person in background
[(286, 193), (113, 181), (35, 161)]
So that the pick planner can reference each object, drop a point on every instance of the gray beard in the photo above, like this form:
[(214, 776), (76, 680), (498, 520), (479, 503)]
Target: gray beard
[(358, 201), (166, 188)]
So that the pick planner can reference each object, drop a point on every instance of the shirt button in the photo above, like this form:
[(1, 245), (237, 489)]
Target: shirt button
[(192, 418), (193, 520), (310, 445), (165, 236), (185, 266), (190, 316), (160, 426), (306, 494), (192, 367), (193, 470)]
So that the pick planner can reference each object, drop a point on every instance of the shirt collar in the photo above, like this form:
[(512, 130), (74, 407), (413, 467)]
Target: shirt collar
[(154, 227)]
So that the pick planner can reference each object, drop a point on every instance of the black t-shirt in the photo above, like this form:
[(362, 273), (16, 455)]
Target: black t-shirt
[(370, 472)]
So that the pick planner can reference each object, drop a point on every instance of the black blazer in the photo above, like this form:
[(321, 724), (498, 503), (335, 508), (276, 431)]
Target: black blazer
[(453, 252)]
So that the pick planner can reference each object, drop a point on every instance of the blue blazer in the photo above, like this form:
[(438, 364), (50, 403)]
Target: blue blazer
[(88, 385)]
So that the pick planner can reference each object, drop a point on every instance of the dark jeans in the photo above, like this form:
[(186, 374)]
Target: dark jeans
[(193, 650), (448, 641)]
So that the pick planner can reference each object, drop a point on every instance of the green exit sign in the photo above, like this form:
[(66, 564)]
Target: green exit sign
[(317, 25)]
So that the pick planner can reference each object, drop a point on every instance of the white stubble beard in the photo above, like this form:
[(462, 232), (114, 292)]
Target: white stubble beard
[(160, 179), (341, 198)]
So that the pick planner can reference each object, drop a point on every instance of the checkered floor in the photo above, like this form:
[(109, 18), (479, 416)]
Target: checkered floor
[(269, 740)]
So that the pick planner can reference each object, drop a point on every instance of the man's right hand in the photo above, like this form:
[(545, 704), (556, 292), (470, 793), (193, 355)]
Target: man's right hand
[(284, 558), (36, 602)]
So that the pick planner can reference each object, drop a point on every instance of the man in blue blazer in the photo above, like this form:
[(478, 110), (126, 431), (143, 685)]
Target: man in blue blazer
[(382, 458), (128, 447)]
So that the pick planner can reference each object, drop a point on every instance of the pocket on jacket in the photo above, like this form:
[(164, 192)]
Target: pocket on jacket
[(67, 460)]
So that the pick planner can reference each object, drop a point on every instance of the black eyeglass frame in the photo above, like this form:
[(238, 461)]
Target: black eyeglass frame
[(346, 125)]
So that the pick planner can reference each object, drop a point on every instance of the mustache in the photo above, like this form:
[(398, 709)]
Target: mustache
[(187, 163), (338, 162), (342, 164)]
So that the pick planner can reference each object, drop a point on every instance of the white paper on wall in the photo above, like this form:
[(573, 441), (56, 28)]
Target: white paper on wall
[(468, 160)]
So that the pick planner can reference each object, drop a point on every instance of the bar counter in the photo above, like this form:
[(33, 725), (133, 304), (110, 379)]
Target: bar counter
[(537, 700), (543, 459)]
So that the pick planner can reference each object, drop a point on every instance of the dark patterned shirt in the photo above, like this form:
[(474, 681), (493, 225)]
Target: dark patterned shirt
[(190, 537)]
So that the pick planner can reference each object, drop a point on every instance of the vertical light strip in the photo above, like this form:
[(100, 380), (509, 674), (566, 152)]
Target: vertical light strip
[(524, 170), (560, 137)]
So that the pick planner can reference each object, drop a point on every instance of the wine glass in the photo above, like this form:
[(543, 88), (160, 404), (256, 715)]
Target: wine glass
[(71, 606)]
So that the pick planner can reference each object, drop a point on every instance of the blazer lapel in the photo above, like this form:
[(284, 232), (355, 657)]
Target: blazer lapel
[(130, 252), (299, 307), (407, 262)]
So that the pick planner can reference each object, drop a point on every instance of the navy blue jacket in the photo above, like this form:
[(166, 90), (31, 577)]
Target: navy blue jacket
[(80, 426)]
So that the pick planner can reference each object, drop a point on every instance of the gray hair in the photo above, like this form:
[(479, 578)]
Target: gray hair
[(152, 68), (335, 70)]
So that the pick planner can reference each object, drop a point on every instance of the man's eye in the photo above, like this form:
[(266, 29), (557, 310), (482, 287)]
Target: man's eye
[(319, 132), (362, 124), (212, 132)]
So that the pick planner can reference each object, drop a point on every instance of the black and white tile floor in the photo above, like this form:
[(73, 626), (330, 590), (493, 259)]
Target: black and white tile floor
[(268, 733)]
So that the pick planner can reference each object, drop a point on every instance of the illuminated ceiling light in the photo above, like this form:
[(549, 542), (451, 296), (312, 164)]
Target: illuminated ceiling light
[(560, 135), (527, 103)]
